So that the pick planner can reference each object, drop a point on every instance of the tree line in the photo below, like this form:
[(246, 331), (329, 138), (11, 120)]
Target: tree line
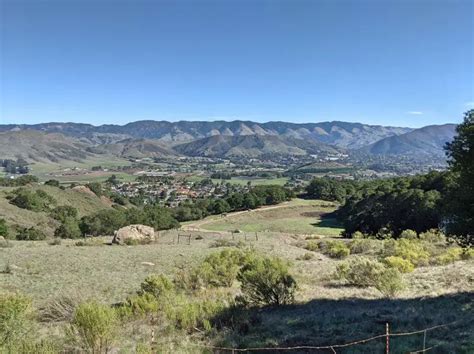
[(388, 206)]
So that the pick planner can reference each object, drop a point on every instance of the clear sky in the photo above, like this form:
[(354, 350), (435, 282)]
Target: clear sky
[(399, 62)]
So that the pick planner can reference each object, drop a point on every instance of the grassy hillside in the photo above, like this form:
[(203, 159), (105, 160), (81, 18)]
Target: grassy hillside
[(85, 203), (324, 313), (295, 217), (35, 146)]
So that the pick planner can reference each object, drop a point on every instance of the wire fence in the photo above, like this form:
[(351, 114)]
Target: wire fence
[(334, 347)]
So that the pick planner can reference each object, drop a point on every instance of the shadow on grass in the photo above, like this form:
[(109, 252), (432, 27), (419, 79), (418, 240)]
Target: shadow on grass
[(328, 220), (329, 322)]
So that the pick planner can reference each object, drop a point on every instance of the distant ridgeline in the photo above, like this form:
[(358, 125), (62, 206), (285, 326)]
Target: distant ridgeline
[(53, 142)]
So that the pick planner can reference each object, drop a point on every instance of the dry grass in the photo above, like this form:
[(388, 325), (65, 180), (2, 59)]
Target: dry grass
[(326, 310)]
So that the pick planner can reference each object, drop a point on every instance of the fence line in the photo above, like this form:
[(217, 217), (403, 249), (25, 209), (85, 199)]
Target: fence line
[(332, 347)]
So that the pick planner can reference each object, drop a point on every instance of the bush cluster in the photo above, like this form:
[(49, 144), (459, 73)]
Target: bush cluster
[(414, 251), (32, 200), (335, 249), (364, 272), (30, 234), (266, 281)]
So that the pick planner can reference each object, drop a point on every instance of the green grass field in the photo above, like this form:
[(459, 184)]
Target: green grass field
[(296, 217)]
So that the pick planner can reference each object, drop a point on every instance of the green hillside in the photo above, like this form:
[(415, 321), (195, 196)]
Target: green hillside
[(80, 198)]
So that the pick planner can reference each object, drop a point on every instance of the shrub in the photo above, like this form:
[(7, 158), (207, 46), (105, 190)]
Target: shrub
[(89, 242), (336, 249), (63, 212), (94, 326), (139, 305), (3, 228), (223, 243), (31, 200), (363, 272), (15, 318), (361, 246), (52, 182), (104, 222), (28, 345), (433, 236), (451, 255), (409, 235), (358, 235), (189, 315), (266, 281), (220, 269), (30, 234), (390, 282), (156, 285), (96, 188), (59, 309), (402, 265), (311, 246), (69, 228), (411, 250)]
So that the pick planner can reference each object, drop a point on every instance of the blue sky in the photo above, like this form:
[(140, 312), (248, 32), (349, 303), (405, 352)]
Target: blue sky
[(405, 63)]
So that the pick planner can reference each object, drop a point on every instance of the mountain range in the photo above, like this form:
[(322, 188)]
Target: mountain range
[(56, 141)]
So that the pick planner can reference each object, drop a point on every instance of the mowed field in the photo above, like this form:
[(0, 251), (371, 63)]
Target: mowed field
[(310, 217)]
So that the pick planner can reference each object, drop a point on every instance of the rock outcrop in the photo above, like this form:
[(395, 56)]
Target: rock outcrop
[(134, 233)]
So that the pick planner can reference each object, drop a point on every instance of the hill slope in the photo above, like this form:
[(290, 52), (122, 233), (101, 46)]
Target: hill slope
[(135, 148), (85, 203), (426, 141), (251, 146), (41, 147)]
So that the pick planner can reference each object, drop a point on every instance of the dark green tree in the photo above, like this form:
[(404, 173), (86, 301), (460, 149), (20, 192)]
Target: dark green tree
[(63, 212), (460, 207), (69, 228)]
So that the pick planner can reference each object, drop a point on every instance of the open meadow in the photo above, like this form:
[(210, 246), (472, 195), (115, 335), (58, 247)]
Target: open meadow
[(298, 216)]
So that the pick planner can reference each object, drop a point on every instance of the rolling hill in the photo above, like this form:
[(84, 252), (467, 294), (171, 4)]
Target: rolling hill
[(134, 148), (426, 141), (35, 146), (252, 146)]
